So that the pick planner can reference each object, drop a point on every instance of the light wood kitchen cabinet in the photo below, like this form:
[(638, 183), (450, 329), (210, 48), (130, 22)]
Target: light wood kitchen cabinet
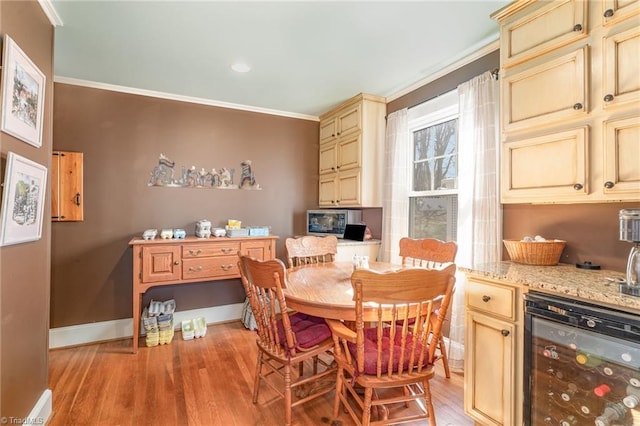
[(553, 165), (351, 153), (621, 156), (621, 79), (493, 353), (555, 25), (550, 92), (562, 95), (614, 11), (67, 197)]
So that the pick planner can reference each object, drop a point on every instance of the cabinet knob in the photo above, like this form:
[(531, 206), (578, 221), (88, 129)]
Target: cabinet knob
[(505, 333), (608, 98), (337, 167), (577, 106), (578, 186), (608, 13), (577, 27), (608, 184), (486, 298), (176, 262)]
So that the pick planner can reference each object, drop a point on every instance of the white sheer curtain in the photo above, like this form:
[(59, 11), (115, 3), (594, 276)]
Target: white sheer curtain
[(395, 192), (479, 212)]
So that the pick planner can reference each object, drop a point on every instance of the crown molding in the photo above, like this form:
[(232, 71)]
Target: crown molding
[(51, 12), (494, 44), (180, 98)]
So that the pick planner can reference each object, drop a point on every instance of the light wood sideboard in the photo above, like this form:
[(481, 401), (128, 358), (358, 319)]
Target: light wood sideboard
[(160, 262)]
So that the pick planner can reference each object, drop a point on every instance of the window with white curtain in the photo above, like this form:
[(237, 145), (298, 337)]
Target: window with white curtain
[(433, 192)]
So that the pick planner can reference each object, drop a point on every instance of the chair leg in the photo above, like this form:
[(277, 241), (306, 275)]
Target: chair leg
[(287, 395), (445, 360), (256, 379), (429, 404), (339, 393), (366, 408)]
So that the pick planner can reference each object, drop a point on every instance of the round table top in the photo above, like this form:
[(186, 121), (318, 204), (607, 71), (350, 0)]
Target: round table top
[(325, 290)]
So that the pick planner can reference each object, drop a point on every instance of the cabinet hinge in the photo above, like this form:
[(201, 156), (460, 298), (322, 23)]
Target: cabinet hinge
[(59, 154)]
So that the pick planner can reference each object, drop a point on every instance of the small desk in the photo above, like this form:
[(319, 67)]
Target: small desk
[(325, 290)]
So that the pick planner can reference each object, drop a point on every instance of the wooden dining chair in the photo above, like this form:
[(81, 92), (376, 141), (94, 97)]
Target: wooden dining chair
[(393, 344), (311, 249), (430, 253), (286, 339)]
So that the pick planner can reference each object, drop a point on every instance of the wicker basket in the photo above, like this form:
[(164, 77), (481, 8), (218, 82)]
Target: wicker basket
[(535, 252)]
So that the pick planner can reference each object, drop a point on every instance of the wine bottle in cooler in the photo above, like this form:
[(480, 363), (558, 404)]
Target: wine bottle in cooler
[(587, 359), (570, 420), (632, 400), (612, 413)]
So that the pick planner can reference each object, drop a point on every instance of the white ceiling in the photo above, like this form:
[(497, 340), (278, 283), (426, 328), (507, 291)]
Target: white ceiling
[(306, 56)]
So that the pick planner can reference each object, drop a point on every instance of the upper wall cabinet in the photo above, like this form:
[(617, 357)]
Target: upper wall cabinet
[(570, 101), (557, 24), (67, 199), (614, 11), (351, 153)]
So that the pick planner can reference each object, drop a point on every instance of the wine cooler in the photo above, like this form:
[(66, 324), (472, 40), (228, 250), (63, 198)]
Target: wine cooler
[(582, 364)]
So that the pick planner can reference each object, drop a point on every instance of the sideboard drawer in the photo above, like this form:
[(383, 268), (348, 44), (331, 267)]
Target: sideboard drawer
[(214, 267), (224, 248), (492, 299)]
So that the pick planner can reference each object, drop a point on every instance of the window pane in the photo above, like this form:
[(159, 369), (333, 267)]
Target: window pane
[(433, 217), (434, 164)]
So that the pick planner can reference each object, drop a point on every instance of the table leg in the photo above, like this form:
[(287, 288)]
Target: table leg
[(137, 303)]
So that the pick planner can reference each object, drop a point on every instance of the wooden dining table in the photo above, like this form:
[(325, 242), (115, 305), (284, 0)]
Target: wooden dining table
[(324, 290)]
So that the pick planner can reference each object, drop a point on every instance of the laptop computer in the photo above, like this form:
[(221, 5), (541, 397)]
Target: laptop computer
[(354, 232)]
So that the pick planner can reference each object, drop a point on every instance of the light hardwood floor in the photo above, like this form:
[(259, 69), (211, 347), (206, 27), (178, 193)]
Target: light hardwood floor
[(195, 382)]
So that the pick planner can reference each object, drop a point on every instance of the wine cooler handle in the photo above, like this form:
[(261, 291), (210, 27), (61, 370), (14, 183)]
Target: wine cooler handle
[(505, 333)]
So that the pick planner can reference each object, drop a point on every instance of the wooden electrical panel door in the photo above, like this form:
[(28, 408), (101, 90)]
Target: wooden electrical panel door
[(67, 198)]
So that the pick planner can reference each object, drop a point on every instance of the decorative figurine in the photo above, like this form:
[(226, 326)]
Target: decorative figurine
[(179, 233), (166, 234), (162, 174)]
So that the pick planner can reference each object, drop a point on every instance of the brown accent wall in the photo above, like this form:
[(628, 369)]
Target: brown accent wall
[(25, 268), (591, 230), (121, 136)]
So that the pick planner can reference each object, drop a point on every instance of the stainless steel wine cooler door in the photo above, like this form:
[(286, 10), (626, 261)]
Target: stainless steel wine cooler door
[(582, 364)]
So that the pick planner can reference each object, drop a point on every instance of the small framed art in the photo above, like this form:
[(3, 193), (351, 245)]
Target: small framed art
[(22, 200), (23, 86)]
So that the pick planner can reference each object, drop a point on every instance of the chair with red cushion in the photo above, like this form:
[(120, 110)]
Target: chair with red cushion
[(286, 339), (430, 253), (391, 352)]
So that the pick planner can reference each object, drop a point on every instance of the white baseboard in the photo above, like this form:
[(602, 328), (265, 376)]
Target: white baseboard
[(40, 413), (120, 329)]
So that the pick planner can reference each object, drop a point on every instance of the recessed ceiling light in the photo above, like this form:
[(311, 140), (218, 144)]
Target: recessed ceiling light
[(240, 67)]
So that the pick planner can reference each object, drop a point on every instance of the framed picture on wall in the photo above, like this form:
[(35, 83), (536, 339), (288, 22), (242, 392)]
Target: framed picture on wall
[(25, 183), (23, 86)]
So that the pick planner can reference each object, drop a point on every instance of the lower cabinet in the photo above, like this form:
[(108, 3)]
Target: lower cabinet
[(493, 353)]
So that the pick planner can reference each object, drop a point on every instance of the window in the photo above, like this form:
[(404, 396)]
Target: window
[(433, 194)]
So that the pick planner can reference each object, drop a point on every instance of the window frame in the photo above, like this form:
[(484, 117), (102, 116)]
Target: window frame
[(443, 109)]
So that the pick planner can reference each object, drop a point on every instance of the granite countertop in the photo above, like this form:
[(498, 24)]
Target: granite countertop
[(564, 280)]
